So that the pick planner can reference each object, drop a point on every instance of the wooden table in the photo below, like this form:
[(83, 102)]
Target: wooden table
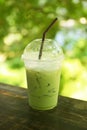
[(15, 113)]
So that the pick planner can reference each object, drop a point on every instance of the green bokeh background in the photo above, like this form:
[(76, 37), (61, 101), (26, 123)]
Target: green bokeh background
[(25, 20)]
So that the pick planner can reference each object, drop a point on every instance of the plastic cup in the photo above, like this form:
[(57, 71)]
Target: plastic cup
[(43, 76)]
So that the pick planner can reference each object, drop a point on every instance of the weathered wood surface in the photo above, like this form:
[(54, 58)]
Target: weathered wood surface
[(15, 113)]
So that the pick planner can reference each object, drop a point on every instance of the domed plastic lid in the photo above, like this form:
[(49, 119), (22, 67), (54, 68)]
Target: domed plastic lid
[(51, 50)]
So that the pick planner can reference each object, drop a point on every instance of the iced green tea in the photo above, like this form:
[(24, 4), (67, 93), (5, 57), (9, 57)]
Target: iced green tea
[(43, 76)]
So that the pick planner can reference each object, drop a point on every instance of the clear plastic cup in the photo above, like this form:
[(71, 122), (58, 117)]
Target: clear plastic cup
[(43, 75)]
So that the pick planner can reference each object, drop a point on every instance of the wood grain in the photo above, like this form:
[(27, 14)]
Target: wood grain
[(15, 113)]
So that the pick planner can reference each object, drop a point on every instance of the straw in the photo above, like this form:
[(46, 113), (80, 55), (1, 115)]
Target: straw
[(43, 38)]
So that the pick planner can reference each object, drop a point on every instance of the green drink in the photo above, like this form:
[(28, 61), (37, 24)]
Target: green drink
[(43, 76), (44, 91)]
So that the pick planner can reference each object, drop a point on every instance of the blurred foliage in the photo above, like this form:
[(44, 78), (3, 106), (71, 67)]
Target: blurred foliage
[(24, 20)]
